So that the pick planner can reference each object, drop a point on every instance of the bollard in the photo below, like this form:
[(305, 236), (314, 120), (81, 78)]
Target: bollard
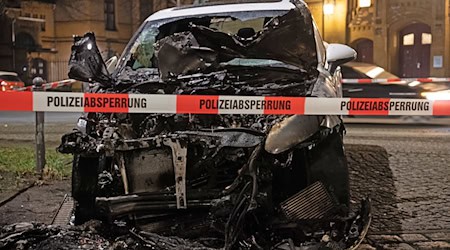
[(40, 140)]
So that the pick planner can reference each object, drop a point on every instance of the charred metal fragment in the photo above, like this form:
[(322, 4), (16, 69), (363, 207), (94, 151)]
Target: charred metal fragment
[(76, 142), (181, 54), (86, 63), (156, 203), (179, 153)]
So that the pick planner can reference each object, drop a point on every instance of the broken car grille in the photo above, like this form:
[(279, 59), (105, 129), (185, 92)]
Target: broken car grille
[(312, 203)]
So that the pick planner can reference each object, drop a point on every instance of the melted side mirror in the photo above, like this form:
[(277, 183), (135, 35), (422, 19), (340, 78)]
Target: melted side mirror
[(86, 63), (338, 54)]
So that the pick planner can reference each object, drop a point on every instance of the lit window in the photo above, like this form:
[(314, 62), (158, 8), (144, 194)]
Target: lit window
[(110, 15), (365, 3), (427, 38), (408, 39)]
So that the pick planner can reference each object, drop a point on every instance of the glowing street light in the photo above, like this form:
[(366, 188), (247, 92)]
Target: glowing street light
[(328, 8), (365, 3)]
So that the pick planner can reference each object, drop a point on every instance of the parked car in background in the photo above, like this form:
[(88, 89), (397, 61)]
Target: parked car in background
[(358, 70), (10, 81)]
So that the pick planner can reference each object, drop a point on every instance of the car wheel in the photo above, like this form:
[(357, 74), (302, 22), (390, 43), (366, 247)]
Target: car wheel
[(84, 187)]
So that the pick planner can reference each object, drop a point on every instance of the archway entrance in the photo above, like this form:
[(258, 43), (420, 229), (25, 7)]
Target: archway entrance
[(415, 50), (364, 47), (24, 44)]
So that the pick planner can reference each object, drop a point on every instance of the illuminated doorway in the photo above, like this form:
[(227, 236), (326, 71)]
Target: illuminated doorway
[(415, 50)]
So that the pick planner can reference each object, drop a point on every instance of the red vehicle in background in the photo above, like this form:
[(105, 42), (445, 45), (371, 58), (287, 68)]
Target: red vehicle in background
[(10, 81)]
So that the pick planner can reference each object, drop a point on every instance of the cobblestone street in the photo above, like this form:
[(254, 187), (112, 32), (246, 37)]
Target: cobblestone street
[(406, 171)]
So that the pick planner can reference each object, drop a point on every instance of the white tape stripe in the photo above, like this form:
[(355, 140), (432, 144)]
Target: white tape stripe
[(58, 102), (250, 105), (152, 104), (73, 102), (325, 106), (411, 107)]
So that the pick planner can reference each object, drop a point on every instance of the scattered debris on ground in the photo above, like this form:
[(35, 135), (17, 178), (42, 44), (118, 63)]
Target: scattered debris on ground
[(91, 235)]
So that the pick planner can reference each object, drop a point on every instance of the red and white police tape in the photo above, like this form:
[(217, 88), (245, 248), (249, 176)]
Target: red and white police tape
[(68, 82), (195, 104), (51, 85), (397, 80)]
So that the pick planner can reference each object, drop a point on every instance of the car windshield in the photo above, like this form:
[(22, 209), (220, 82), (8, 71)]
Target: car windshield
[(240, 27), (143, 49)]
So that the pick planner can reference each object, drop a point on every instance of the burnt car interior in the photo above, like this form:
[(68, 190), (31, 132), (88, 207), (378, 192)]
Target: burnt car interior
[(239, 181)]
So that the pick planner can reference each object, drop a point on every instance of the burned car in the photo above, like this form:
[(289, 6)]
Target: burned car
[(242, 181)]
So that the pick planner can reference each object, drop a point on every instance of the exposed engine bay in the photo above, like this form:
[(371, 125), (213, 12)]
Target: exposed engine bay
[(228, 181)]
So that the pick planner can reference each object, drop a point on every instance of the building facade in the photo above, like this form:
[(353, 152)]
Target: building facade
[(37, 35), (410, 38)]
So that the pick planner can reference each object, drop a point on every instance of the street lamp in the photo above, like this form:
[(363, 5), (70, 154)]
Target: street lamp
[(328, 9)]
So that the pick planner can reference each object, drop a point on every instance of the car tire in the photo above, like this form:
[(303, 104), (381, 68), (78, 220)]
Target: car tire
[(84, 187)]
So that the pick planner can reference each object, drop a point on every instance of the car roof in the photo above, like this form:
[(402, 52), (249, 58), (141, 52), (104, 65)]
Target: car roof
[(200, 10), (7, 73)]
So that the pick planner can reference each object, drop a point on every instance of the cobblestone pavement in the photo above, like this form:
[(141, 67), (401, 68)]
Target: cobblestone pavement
[(406, 172)]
